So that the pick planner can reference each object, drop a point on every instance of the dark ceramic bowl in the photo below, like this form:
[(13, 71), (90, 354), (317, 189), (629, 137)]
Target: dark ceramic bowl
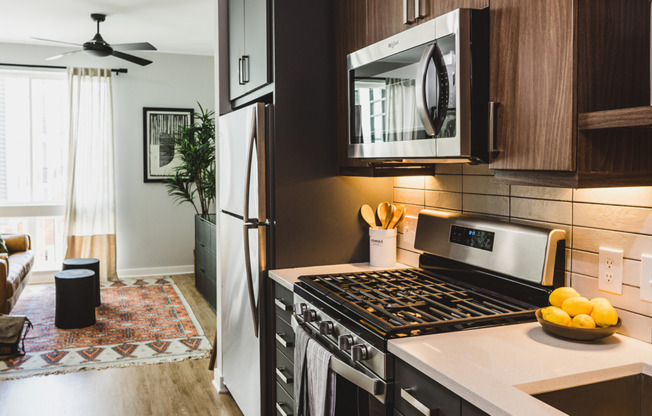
[(578, 334)]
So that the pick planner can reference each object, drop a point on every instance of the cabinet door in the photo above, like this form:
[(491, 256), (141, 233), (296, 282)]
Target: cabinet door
[(236, 47), (532, 77), (385, 18), (255, 44), (416, 393), (433, 8)]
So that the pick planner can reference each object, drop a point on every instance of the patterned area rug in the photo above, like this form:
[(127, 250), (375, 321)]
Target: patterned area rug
[(140, 321)]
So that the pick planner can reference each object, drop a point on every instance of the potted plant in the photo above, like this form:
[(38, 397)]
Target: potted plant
[(194, 182), (194, 178)]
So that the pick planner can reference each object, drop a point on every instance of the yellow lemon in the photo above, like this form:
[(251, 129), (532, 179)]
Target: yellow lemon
[(577, 305), (604, 301), (557, 316), (559, 295), (604, 315), (583, 320)]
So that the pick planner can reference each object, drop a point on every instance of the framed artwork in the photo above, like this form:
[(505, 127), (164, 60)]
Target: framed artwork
[(160, 126)]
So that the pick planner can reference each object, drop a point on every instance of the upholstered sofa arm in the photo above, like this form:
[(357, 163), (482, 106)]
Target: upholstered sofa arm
[(4, 272), (17, 242)]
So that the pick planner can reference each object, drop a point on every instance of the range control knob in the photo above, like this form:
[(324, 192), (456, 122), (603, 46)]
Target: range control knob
[(309, 315), (345, 342), (299, 308), (326, 327), (359, 352)]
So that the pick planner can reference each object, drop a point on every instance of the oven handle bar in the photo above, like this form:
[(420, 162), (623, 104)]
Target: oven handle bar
[(371, 385)]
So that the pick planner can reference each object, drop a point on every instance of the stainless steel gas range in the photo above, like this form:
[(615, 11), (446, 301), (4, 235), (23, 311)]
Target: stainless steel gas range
[(475, 272)]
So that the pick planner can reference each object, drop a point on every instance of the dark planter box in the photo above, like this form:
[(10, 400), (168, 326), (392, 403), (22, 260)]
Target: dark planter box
[(205, 259)]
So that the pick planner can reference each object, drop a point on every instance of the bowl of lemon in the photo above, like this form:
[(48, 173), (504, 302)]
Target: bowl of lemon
[(573, 316)]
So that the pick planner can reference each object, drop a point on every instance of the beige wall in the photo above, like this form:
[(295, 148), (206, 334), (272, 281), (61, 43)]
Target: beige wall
[(619, 218)]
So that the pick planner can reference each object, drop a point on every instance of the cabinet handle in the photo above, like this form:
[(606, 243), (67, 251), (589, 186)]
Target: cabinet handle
[(279, 407), (283, 377), (287, 344), (245, 69), (240, 82), (422, 408), (417, 10), (279, 303), (492, 128), (406, 17)]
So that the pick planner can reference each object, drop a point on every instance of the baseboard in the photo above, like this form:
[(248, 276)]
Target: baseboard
[(42, 278), (156, 271), (218, 382)]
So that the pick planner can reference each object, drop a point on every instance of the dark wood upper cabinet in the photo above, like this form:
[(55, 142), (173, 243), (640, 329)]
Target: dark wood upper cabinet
[(433, 8), (572, 83)]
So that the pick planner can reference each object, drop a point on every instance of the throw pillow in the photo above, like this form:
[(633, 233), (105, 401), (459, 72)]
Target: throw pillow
[(3, 246)]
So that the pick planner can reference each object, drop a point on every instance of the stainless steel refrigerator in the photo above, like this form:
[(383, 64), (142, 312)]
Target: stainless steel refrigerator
[(280, 205)]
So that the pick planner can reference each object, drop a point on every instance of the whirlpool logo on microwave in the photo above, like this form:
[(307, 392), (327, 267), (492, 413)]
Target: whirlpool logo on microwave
[(392, 44)]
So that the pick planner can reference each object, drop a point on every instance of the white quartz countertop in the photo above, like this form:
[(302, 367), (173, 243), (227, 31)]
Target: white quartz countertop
[(287, 277), (497, 368)]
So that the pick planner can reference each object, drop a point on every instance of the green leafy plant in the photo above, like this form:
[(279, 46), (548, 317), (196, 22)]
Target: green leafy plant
[(194, 179)]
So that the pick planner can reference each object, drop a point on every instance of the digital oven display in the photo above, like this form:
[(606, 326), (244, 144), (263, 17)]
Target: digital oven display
[(484, 240)]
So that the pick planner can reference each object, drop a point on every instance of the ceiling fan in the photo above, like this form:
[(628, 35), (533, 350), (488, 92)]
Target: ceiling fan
[(99, 47)]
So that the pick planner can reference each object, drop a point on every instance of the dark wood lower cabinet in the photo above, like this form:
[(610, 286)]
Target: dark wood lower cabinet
[(284, 351), (415, 394)]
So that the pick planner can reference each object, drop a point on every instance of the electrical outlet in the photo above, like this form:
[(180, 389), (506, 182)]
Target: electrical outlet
[(610, 270), (409, 229), (646, 277)]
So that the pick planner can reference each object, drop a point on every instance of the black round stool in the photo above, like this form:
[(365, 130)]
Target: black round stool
[(90, 264), (75, 298)]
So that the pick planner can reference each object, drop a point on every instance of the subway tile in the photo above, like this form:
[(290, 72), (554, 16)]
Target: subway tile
[(409, 196), (446, 200), (633, 245), (448, 168), (450, 183), (481, 169), (542, 210), (612, 217), (586, 263), (632, 196), (546, 224), (630, 300), (417, 182), (486, 204), (635, 326), (542, 192), (412, 210), (483, 185)]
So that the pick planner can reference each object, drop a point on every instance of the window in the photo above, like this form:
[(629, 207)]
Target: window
[(33, 152)]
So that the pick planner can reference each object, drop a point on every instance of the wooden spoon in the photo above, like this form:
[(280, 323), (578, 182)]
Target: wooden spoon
[(382, 211), (390, 216), (398, 216), (368, 215)]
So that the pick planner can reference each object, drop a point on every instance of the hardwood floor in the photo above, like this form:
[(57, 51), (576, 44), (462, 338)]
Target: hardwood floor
[(182, 388)]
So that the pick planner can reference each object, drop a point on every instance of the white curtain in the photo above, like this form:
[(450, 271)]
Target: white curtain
[(402, 121), (90, 197)]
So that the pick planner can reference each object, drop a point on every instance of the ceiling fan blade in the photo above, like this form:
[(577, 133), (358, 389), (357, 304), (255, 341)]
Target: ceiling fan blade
[(140, 46), (131, 58), (63, 54), (58, 41)]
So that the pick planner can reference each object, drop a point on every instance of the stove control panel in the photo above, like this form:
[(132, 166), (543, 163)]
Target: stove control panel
[(339, 337)]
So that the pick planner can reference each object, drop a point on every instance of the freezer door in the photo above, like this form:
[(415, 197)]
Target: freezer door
[(239, 161), (240, 347)]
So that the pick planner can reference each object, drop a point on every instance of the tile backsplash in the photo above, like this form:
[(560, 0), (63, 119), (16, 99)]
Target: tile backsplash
[(619, 218)]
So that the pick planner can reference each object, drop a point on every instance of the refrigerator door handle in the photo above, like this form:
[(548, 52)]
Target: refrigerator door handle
[(250, 158), (250, 281)]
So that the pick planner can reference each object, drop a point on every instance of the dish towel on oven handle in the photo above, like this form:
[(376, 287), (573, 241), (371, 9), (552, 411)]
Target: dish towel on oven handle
[(315, 382), (321, 380)]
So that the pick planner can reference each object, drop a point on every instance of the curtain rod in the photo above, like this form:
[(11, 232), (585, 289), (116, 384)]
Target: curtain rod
[(116, 70)]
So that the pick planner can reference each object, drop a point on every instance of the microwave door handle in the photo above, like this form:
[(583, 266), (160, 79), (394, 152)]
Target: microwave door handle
[(432, 127), (250, 281)]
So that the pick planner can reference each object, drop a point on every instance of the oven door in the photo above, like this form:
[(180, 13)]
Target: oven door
[(359, 392)]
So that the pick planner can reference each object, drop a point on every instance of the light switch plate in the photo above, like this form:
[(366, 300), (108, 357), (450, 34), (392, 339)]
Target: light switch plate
[(610, 270), (646, 277)]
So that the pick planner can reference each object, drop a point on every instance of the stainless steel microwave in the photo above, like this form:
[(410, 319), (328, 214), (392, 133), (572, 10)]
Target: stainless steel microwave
[(423, 93)]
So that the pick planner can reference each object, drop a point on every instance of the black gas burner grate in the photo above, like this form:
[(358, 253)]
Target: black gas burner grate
[(412, 302)]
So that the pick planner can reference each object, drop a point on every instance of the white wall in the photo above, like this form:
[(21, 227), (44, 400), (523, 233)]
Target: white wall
[(154, 235)]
